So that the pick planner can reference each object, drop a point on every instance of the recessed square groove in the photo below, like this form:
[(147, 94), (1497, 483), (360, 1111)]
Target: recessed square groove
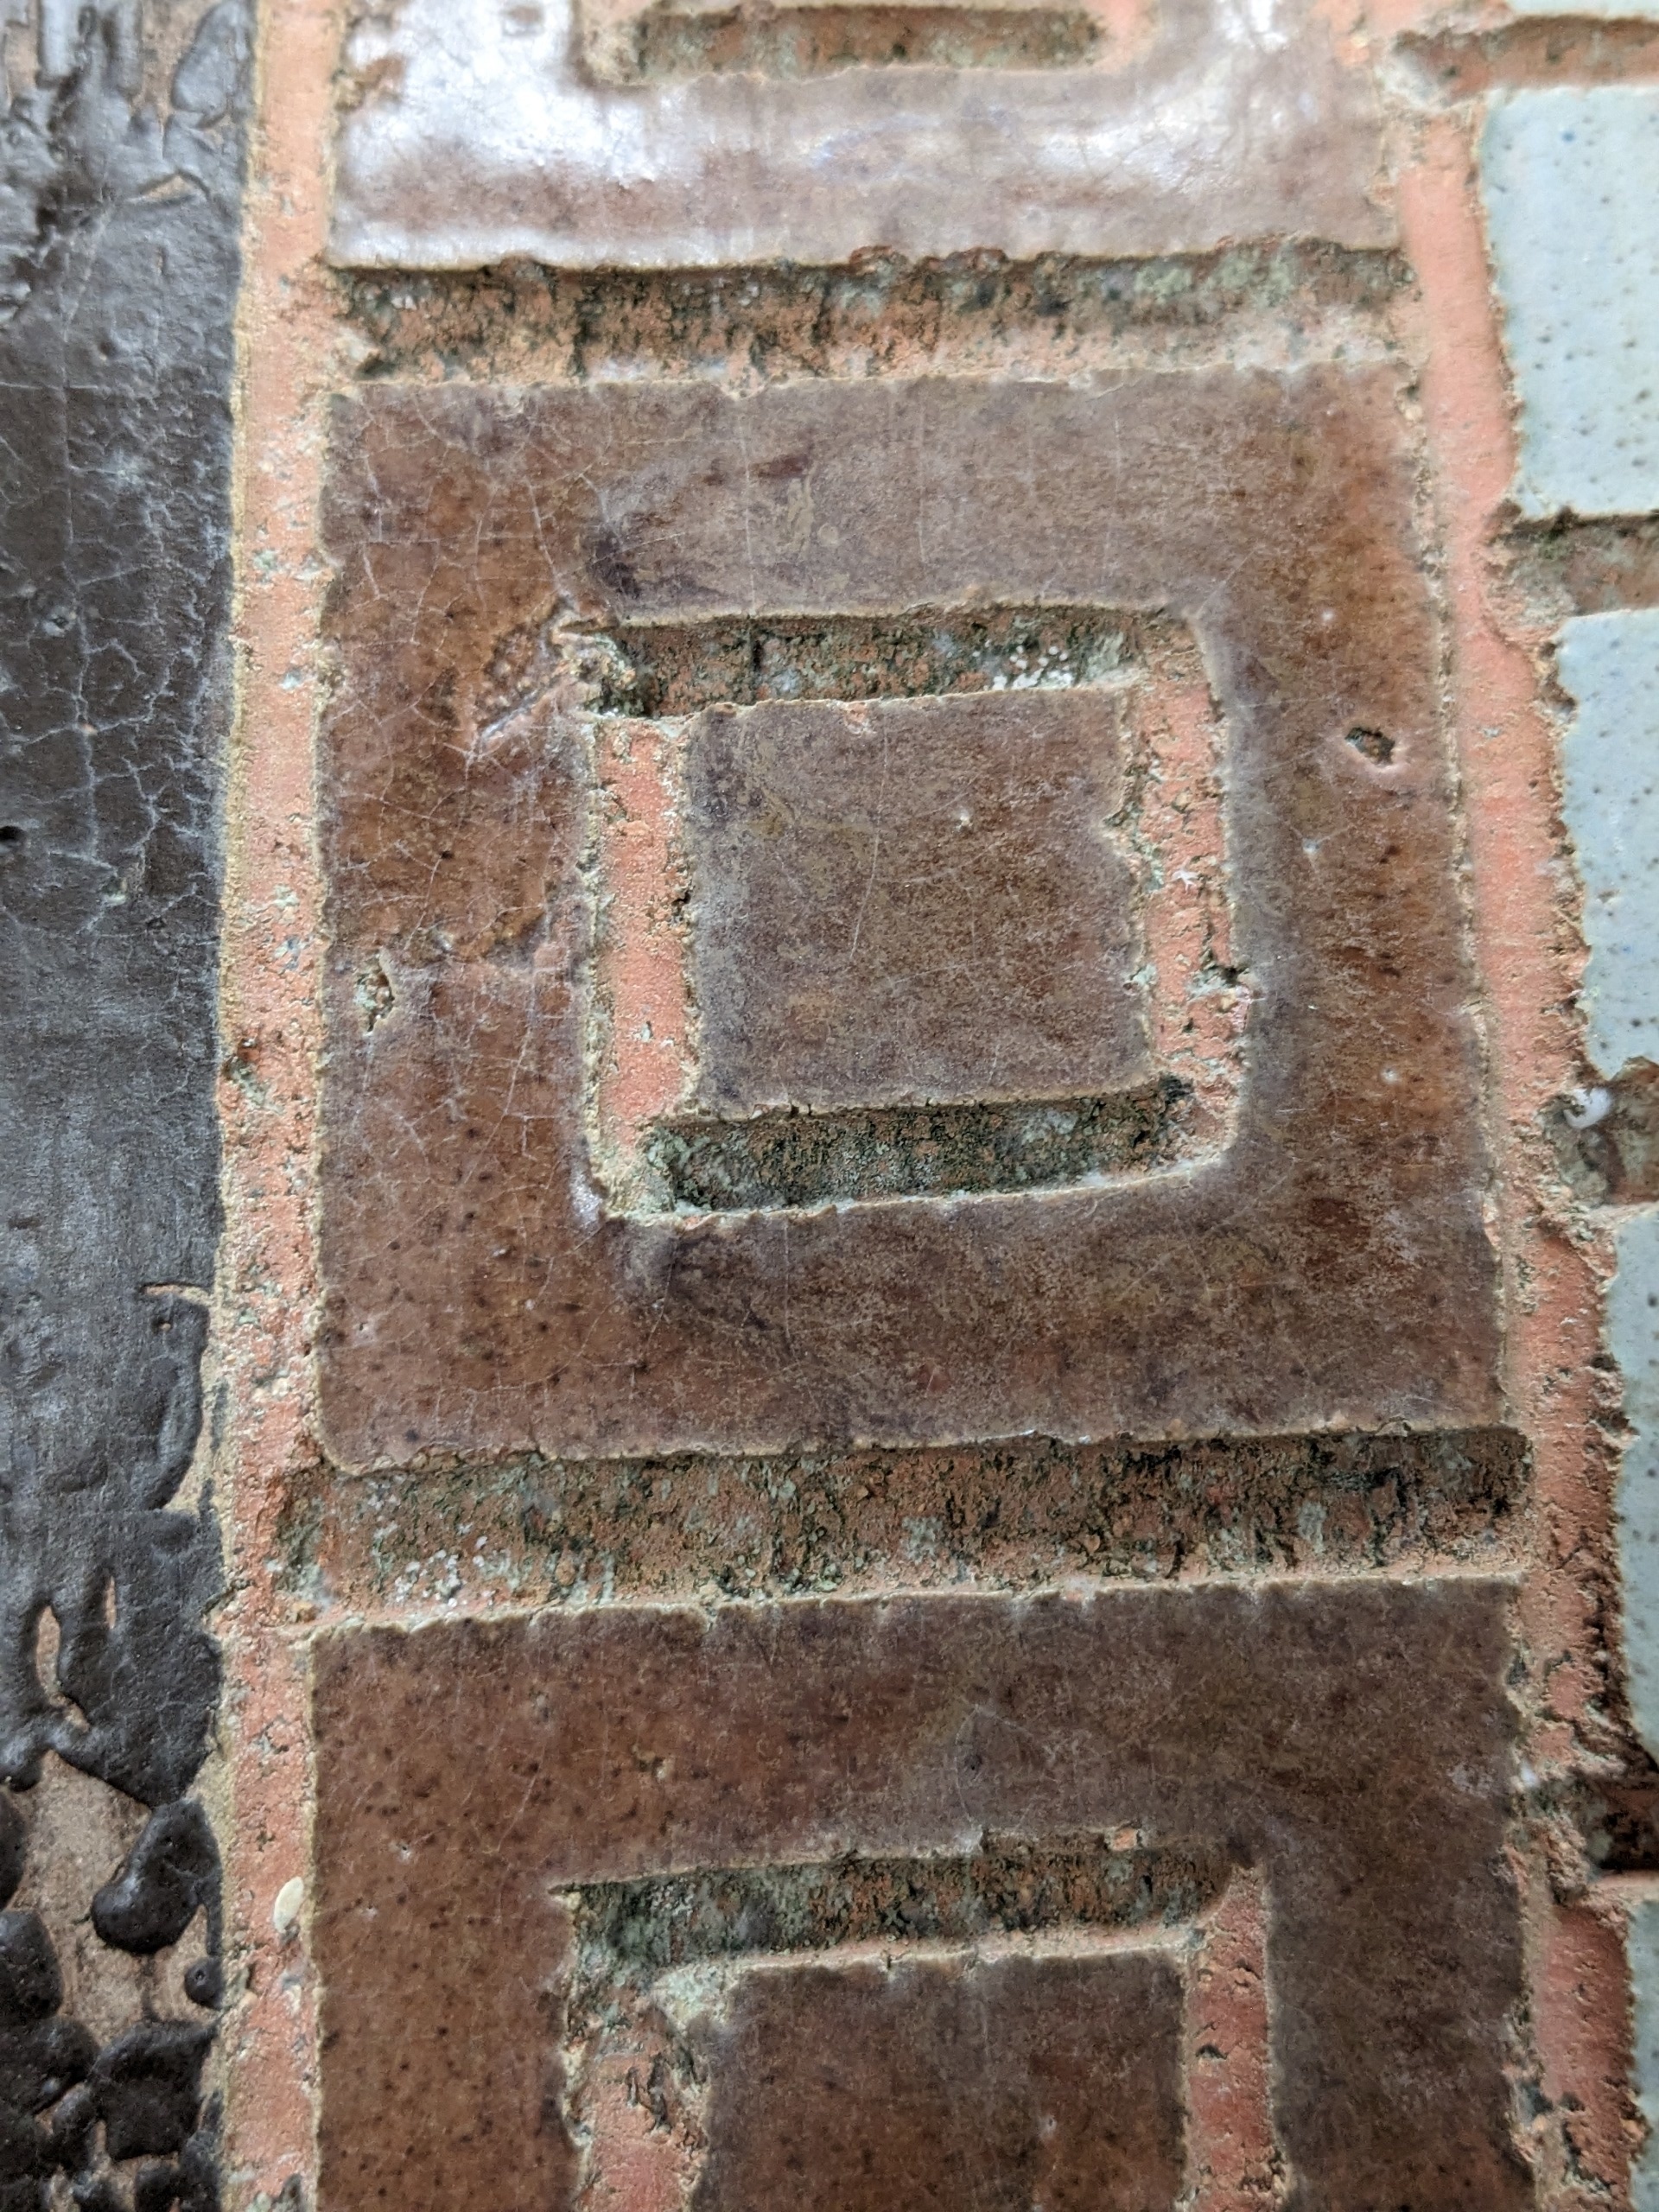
[(926, 860)]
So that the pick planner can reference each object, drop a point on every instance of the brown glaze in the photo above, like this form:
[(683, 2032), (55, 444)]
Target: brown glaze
[(912, 899), (1329, 1269), (1233, 1506), (959, 2085), (1352, 1742)]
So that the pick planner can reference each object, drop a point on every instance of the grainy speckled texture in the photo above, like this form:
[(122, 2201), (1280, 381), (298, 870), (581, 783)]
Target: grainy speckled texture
[(1263, 384), (1353, 1743), (1330, 1268), (1019, 1517)]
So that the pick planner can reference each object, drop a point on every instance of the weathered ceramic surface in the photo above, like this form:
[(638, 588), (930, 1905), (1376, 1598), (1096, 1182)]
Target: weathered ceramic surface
[(1609, 664), (624, 40), (481, 135), (1621, 8), (1643, 1943), (120, 173), (935, 2081), (913, 899), (1557, 167), (1350, 1741), (1632, 1333), (1327, 1268)]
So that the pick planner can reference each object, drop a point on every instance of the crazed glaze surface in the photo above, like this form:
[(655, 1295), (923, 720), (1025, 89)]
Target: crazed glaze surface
[(880, 888), (120, 175)]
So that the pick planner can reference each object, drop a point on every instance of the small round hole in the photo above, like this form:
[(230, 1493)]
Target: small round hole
[(11, 836), (1378, 747)]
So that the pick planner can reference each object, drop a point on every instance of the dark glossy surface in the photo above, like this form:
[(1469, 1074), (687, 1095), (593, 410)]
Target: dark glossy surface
[(118, 273)]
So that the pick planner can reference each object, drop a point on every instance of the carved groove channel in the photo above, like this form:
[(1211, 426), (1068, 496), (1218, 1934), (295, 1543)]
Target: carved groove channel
[(805, 1160), (631, 1931), (923, 932)]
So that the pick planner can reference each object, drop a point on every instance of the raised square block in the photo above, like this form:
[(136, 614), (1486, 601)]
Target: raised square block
[(1632, 1303), (990, 2082), (852, 1905), (1609, 666), (1159, 1117), (920, 935), (912, 901)]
